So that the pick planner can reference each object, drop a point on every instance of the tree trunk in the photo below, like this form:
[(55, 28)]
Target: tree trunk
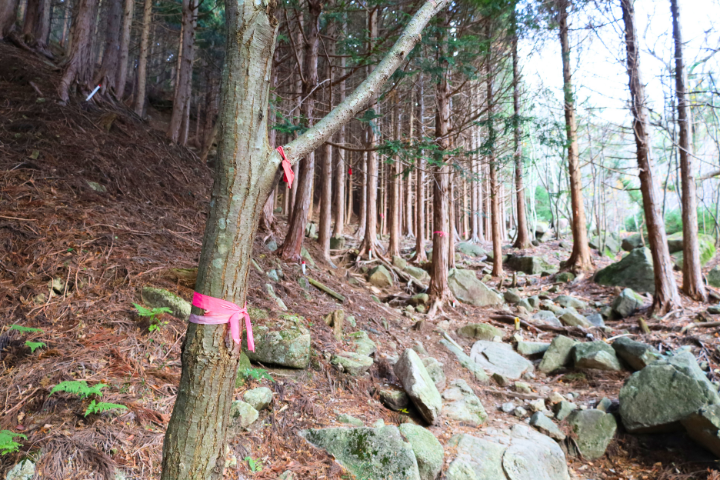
[(326, 200), (125, 47), (80, 61), (494, 188), (420, 255), (580, 257), (339, 228), (523, 238), (394, 181), (36, 28), (143, 59), (108, 74), (183, 84), (666, 295), (8, 17), (692, 274)]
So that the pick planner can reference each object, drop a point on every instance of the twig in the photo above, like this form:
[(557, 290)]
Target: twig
[(327, 290)]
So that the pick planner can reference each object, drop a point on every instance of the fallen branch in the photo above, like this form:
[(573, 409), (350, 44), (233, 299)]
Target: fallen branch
[(327, 290), (574, 331)]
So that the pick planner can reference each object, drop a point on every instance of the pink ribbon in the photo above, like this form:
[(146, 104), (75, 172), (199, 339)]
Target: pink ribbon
[(288, 174), (440, 233), (218, 311)]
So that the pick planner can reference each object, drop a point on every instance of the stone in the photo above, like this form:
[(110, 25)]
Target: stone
[(418, 384), (547, 317), (271, 293), (713, 309), (604, 404), (305, 255), (564, 277), (436, 372), (468, 289), (470, 249), (420, 348), (23, 470), (665, 392), (462, 404), (568, 301), (512, 296), (354, 364), (350, 420), (546, 426), (563, 409), (363, 344), (532, 348), (368, 452), (507, 407), (520, 412), (549, 305), (273, 275), (466, 361), (336, 243), (428, 451), (534, 301), (706, 245), (311, 230), (501, 380), (594, 431), (537, 405), (626, 303), (380, 277), (479, 331), (529, 264), (399, 262), (635, 271), (558, 354), (417, 273), (394, 399), (477, 459), (596, 355), (522, 387), (596, 320), (632, 242), (420, 298), (350, 319), (496, 357), (703, 426), (336, 320), (713, 277), (271, 245), (284, 342), (159, 298), (259, 398), (573, 319), (243, 414), (636, 354), (304, 283)]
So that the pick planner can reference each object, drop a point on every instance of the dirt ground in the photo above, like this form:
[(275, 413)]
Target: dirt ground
[(94, 206)]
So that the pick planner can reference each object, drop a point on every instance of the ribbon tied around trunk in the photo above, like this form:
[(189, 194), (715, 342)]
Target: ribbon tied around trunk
[(219, 311)]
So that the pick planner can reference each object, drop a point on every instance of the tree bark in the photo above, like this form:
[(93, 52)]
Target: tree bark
[(143, 59), (8, 17), (125, 47), (394, 181), (80, 62), (183, 84), (666, 295), (36, 28), (326, 201), (108, 74), (523, 238), (692, 270), (494, 188), (339, 228), (420, 255)]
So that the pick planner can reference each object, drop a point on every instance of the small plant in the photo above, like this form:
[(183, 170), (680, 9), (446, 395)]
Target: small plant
[(82, 390), (101, 407), (255, 374), (22, 329), (255, 465), (8, 443), (34, 345), (152, 314)]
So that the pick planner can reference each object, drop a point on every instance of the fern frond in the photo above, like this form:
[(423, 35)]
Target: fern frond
[(22, 329), (142, 311), (7, 443), (79, 388), (103, 407), (34, 345)]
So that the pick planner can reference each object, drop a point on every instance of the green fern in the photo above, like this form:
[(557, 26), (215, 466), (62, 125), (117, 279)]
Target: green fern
[(255, 465), (22, 329), (146, 312), (7, 443), (34, 345), (79, 388), (102, 407), (255, 374)]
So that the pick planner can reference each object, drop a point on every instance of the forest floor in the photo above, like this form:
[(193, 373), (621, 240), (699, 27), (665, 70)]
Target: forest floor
[(95, 206)]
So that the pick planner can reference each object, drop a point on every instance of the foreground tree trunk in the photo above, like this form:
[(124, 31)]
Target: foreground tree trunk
[(80, 61), (420, 255), (523, 238), (184, 77), (8, 17), (339, 229), (580, 258), (394, 181), (36, 28), (107, 76), (692, 274), (494, 188), (666, 295), (143, 59), (125, 47)]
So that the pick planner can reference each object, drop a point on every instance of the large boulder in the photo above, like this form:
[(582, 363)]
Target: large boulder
[(559, 354), (659, 396), (466, 361), (495, 357), (703, 426), (462, 405), (363, 344), (242, 414), (596, 355), (418, 384), (546, 426), (435, 370), (632, 242), (611, 245), (368, 452), (705, 242), (713, 277), (636, 354), (547, 317), (594, 430), (417, 272), (569, 301), (428, 451), (355, 364), (572, 318), (468, 289), (471, 249), (479, 331), (634, 271), (258, 398), (626, 303), (380, 277), (159, 298), (284, 342), (530, 265)]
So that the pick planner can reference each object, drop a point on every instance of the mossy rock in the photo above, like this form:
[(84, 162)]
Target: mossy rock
[(634, 271), (284, 342), (159, 298)]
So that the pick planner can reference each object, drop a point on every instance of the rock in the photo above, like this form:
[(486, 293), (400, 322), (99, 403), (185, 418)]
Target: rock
[(363, 344), (634, 271), (706, 245), (355, 364), (477, 459), (368, 452), (508, 407), (499, 358), (713, 277), (538, 405), (470, 249), (466, 361), (380, 277), (520, 412), (530, 265), (336, 320), (271, 245), (573, 319), (273, 275), (311, 230), (596, 320), (564, 277), (637, 354), (462, 404), (304, 283), (549, 305), (532, 348), (428, 451), (394, 399), (563, 409), (534, 301), (259, 398), (713, 309), (305, 255), (632, 242), (417, 272), (336, 243), (399, 262), (468, 289), (418, 384), (512, 296), (594, 429), (243, 414), (570, 302), (604, 404), (547, 317), (420, 348), (500, 380), (558, 354), (626, 303), (271, 293), (546, 426), (596, 355), (435, 370), (420, 298), (479, 331), (665, 392), (522, 387), (703, 426), (159, 298), (350, 420), (23, 470), (285, 342)]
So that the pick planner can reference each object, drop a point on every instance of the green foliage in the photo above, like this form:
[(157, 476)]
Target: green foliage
[(102, 407), (79, 388), (22, 329), (153, 314), (8, 443), (543, 208), (254, 373), (34, 345), (255, 465)]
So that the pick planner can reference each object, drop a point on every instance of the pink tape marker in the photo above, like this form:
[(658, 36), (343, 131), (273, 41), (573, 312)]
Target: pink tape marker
[(218, 311)]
